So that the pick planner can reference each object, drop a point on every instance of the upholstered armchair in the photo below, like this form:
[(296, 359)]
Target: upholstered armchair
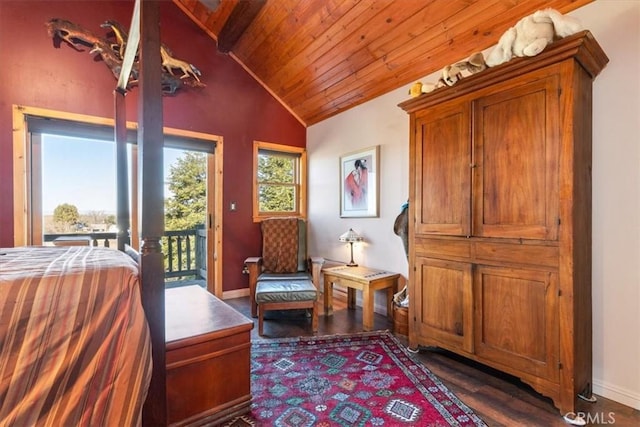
[(284, 278)]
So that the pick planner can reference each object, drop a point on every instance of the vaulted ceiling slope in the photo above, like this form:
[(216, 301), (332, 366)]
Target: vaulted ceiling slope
[(322, 57)]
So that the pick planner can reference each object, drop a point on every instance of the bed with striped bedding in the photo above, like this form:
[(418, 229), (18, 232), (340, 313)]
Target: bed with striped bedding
[(74, 341)]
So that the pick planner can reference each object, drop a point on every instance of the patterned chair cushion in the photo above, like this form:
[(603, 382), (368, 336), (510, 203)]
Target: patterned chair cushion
[(285, 291), (300, 275)]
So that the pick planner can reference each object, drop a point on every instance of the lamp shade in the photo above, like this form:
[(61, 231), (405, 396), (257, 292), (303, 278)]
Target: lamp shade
[(350, 237)]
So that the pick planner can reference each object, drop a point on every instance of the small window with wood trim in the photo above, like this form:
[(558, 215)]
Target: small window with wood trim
[(279, 186)]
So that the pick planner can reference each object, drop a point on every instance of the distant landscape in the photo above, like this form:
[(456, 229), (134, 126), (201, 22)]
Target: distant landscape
[(93, 221)]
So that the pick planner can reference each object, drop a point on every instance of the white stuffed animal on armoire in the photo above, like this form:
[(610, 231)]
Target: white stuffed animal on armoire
[(531, 35)]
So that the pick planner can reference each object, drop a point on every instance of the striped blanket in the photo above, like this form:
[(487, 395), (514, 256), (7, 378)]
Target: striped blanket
[(74, 341)]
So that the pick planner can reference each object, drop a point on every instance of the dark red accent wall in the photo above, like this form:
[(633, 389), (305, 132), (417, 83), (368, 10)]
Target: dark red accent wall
[(233, 105)]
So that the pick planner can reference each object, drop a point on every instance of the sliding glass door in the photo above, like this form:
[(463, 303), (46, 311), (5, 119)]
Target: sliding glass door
[(69, 195)]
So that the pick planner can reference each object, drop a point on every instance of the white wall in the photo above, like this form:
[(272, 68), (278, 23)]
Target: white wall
[(378, 122), (616, 193)]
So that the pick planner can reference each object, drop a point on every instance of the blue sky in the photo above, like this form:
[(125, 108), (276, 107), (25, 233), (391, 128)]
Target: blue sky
[(81, 172)]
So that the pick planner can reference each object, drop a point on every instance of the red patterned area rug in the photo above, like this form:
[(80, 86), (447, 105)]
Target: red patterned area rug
[(365, 379)]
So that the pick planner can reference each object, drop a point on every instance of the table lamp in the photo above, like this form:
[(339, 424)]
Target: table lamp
[(350, 237)]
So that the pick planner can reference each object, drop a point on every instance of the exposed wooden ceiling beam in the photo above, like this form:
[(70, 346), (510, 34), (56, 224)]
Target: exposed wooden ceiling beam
[(241, 17), (211, 4)]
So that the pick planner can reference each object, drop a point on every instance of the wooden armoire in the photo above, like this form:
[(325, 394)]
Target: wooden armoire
[(500, 218)]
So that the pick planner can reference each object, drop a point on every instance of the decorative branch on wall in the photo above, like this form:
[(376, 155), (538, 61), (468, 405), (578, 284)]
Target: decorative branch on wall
[(111, 50)]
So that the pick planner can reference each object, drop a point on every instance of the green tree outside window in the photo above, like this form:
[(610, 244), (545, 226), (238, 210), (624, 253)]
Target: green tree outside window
[(66, 216)]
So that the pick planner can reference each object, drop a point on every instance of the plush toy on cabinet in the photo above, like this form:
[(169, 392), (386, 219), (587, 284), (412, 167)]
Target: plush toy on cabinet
[(528, 37), (531, 35)]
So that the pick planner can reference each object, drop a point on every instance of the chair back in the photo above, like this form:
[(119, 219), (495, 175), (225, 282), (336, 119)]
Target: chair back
[(284, 245)]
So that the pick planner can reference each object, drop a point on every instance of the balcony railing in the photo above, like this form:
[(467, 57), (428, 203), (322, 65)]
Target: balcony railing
[(98, 239), (185, 251)]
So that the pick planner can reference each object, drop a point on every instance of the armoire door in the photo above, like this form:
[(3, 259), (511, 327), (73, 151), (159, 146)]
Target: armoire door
[(516, 319), (515, 159), (442, 170), (444, 309)]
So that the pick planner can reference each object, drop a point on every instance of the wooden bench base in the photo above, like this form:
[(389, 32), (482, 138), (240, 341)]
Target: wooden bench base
[(208, 358), (265, 306)]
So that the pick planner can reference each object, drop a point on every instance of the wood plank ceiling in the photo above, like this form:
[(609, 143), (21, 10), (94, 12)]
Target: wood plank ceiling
[(322, 57)]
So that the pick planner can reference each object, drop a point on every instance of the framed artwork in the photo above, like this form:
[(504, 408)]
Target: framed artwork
[(359, 181)]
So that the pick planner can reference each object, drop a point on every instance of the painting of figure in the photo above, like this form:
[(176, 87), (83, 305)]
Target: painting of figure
[(359, 184), (355, 185)]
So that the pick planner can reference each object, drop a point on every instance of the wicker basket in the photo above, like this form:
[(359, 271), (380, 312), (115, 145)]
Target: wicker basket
[(400, 320)]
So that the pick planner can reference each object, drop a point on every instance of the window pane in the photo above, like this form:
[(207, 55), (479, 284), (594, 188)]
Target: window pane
[(185, 191), (279, 186), (277, 198), (276, 169), (78, 186)]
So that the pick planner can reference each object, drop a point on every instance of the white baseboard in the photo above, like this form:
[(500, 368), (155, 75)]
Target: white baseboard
[(340, 292), (619, 394), (380, 309), (236, 293)]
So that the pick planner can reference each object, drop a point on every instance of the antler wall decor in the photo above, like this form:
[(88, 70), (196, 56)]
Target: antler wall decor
[(111, 51)]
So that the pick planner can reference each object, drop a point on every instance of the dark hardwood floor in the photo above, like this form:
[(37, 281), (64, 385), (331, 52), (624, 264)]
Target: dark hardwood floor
[(499, 399)]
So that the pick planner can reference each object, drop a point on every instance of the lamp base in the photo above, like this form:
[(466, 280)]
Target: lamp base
[(351, 263)]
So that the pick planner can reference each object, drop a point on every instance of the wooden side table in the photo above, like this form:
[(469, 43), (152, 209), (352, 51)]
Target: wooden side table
[(367, 280)]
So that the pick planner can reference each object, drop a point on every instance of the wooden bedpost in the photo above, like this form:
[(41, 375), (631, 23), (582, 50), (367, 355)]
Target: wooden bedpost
[(150, 149)]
